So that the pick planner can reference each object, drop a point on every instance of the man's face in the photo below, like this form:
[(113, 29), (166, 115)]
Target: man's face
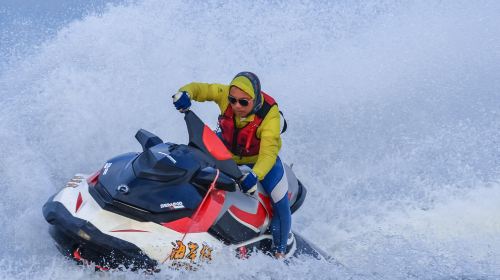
[(238, 109)]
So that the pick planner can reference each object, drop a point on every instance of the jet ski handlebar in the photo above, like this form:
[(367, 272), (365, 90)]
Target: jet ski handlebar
[(207, 175)]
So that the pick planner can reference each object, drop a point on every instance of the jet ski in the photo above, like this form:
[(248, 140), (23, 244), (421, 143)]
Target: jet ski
[(171, 204)]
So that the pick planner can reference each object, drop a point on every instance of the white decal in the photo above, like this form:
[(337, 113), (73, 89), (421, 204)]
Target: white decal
[(106, 167), (172, 205), (169, 157)]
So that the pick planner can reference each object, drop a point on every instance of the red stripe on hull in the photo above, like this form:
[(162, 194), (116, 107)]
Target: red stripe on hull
[(205, 218), (257, 219), (79, 202)]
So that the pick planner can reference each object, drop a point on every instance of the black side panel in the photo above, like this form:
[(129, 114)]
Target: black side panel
[(71, 233), (301, 196), (104, 199), (305, 247), (230, 231)]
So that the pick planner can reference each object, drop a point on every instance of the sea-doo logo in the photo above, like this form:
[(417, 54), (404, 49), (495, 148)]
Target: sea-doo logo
[(172, 205), (123, 189)]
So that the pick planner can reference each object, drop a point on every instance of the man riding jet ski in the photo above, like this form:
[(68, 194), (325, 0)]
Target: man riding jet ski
[(250, 129), (171, 203)]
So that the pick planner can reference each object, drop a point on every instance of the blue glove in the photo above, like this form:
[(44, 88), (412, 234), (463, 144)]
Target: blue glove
[(248, 183), (182, 102)]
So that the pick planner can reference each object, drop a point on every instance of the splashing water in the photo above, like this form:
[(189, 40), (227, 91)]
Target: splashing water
[(393, 113)]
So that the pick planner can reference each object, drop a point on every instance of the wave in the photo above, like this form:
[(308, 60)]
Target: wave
[(392, 110)]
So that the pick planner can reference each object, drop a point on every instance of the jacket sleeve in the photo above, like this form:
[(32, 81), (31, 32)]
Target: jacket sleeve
[(208, 92), (270, 143)]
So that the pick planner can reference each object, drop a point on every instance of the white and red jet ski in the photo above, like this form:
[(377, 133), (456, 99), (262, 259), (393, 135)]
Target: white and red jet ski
[(171, 203)]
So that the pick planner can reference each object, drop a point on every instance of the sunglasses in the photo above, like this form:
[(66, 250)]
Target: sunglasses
[(243, 102)]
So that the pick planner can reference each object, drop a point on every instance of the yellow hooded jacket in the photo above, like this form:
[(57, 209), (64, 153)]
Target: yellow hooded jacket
[(268, 131)]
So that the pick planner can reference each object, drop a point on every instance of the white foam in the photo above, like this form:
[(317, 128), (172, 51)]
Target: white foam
[(392, 111)]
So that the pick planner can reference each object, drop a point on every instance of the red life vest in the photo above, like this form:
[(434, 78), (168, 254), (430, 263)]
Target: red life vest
[(243, 141)]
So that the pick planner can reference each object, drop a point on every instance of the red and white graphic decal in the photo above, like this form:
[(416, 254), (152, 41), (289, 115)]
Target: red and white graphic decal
[(205, 218), (214, 145), (79, 202)]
